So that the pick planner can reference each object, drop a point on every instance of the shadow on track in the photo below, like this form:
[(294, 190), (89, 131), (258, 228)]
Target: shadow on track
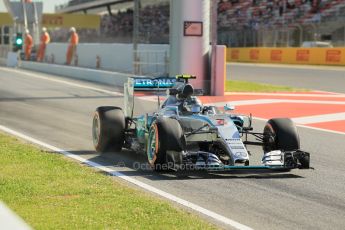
[(134, 165)]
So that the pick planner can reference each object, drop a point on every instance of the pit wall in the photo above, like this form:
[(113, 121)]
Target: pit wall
[(120, 61), (99, 76), (113, 57), (303, 56)]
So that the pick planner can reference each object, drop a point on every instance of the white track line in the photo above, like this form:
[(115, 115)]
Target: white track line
[(322, 130), (320, 118), (66, 82), (313, 102), (306, 127), (245, 102), (327, 92), (275, 101), (10, 220), (112, 172)]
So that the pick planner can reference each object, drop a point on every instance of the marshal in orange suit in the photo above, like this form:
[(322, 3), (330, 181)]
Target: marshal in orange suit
[(72, 47), (28, 45), (45, 39)]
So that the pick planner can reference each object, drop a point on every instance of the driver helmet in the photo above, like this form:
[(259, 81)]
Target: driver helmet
[(193, 105)]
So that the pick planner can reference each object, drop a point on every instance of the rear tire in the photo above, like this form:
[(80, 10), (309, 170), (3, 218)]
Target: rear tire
[(108, 129), (165, 145), (281, 134)]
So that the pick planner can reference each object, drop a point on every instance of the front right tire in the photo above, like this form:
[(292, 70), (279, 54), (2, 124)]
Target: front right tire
[(281, 134), (108, 129)]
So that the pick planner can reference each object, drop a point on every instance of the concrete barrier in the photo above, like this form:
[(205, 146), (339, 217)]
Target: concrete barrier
[(3, 61), (99, 76), (114, 57), (12, 59)]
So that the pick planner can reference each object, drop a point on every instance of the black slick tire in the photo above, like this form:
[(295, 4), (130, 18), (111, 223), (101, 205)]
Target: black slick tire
[(281, 134), (108, 129), (166, 144)]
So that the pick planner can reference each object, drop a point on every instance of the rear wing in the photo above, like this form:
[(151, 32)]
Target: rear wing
[(157, 84), (146, 84), (153, 84)]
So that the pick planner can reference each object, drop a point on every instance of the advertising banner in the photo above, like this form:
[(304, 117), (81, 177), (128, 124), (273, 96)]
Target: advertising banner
[(305, 56), (79, 21)]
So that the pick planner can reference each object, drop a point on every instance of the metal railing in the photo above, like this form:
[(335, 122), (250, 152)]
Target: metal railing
[(292, 36), (151, 62)]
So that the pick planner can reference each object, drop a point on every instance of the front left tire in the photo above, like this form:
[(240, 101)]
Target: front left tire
[(165, 145)]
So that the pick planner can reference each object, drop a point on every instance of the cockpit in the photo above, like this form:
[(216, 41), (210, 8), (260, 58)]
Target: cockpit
[(183, 97)]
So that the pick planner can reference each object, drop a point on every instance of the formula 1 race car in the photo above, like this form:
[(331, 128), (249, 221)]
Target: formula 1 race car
[(183, 133)]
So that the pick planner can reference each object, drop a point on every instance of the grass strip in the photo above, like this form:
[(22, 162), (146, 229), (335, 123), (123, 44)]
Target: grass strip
[(50, 191), (244, 86)]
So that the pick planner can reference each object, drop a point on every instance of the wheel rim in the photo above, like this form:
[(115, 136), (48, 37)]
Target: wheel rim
[(96, 130), (152, 147)]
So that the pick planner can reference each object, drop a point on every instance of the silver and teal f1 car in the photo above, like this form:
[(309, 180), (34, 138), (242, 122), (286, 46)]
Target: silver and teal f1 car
[(183, 133)]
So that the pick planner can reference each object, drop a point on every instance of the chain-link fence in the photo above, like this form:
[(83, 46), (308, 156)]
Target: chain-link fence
[(241, 23), (117, 25), (292, 36)]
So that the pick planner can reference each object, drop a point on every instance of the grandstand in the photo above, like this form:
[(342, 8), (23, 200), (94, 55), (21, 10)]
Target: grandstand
[(117, 21), (284, 23), (241, 23)]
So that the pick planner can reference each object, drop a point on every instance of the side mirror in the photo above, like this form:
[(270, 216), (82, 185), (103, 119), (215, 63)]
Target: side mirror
[(229, 107), (247, 123)]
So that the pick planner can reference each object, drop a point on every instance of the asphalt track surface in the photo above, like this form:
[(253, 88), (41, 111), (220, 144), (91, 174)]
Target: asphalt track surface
[(60, 114), (324, 78)]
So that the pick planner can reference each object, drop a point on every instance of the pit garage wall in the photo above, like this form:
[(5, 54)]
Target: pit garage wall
[(303, 56), (113, 57)]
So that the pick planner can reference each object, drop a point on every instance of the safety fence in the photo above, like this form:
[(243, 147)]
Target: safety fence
[(304, 56)]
